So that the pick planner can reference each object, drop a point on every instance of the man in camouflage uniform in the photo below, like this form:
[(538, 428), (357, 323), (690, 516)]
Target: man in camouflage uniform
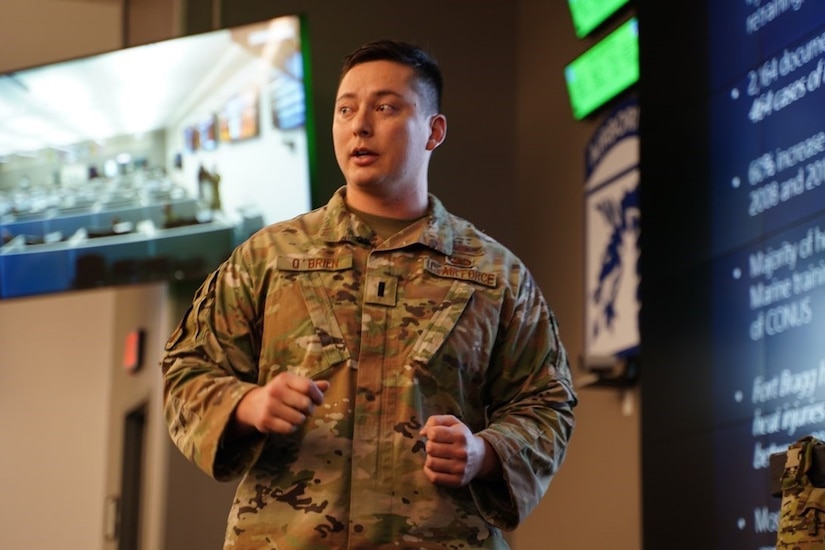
[(379, 372)]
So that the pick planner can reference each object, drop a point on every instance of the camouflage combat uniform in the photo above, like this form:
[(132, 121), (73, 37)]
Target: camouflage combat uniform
[(437, 319), (802, 513)]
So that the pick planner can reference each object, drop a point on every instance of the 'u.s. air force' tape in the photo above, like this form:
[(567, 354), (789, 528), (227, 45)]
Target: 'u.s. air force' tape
[(463, 273)]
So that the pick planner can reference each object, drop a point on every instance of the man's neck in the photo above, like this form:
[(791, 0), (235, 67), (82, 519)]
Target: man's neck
[(384, 227), (405, 206)]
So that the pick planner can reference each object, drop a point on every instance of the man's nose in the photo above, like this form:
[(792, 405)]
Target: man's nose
[(362, 123)]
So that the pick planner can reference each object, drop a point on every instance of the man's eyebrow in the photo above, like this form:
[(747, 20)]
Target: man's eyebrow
[(378, 94)]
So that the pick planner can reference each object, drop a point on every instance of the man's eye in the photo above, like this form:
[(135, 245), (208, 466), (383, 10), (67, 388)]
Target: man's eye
[(385, 108)]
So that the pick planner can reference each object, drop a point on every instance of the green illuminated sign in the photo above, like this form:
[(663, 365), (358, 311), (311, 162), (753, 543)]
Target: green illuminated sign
[(589, 14), (605, 70)]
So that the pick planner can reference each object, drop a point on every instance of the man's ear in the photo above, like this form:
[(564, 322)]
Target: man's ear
[(438, 131)]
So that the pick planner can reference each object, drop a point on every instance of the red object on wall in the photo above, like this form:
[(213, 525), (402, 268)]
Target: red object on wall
[(133, 351)]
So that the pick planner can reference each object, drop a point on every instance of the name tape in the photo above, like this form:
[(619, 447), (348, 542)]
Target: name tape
[(311, 263)]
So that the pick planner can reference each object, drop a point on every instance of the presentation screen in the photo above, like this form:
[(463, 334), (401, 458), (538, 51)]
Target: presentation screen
[(151, 162), (733, 268)]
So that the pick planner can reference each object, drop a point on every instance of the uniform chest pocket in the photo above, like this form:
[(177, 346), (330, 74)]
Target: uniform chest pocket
[(330, 338), (442, 323)]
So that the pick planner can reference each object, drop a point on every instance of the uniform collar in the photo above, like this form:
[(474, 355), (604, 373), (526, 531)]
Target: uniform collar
[(435, 230)]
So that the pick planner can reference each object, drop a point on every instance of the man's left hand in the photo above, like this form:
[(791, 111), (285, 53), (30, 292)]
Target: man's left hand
[(456, 456)]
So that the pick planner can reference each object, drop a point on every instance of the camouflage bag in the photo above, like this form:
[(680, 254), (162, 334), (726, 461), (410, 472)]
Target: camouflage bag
[(802, 511)]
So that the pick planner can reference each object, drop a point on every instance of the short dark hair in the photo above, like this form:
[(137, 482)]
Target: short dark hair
[(426, 68)]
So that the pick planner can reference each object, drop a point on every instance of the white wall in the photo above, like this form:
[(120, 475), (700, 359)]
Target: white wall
[(145, 308), (55, 386), (54, 352), (63, 392)]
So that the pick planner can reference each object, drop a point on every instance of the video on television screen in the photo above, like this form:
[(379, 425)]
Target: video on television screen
[(151, 162)]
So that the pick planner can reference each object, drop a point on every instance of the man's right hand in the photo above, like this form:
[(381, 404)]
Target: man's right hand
[(280, 407)]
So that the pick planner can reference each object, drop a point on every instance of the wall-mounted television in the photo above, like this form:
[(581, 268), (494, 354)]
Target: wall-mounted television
[(604, 71), (151, 162), (588, 15)]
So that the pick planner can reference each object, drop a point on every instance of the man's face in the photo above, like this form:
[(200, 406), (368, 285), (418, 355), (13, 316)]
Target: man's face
[(382, 132)]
